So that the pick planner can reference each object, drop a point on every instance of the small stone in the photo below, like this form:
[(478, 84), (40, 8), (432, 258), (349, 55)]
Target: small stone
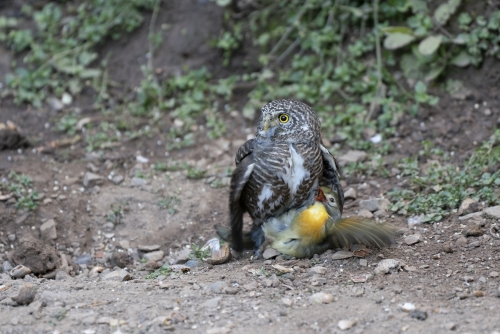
[(19, 271), (352, 156), (121, 259), (183, 256), (119, 275), (318, 270), (138, 182), (375, 204), (451, 326), (55, 103), (91, 179), (194, 264), (282, 269), (461, 242), (154, 256), (321, 298), (148, 248), (479, 293), (350, 194), (124, 244), (493, 212), (11, 237), (230, 290), (407, 307), (494, 274), (117, 179), (211, 303), (419, 315), (287, 302), (340, 255), (380, 213), (473, 230), (62, 276), (7, 266), (470, 216), (26, 295), (385, 266), (217, 287), (468, 205), (363, 262), (413, 239), (48, 230), (468, 278), (365, 214), (474, 244), (270, 253), (346, 324), (447, 248), (85, 259)]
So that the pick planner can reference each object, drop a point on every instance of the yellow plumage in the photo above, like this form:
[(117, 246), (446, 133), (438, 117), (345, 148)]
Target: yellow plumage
[(310, 223)]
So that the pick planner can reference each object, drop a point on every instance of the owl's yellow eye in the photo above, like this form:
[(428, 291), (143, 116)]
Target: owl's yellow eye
[(283, 118)]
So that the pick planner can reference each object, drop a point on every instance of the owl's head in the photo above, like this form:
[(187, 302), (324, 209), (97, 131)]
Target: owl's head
[(287, 120)]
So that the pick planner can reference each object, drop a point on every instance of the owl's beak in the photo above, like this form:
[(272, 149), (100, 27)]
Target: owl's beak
[(269, 124)]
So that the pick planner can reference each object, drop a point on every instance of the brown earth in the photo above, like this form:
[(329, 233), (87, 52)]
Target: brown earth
[(451, 274)]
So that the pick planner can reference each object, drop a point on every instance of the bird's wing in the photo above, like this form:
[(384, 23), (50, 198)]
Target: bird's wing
[(244, 150), (238, 181), (347, 231), (331, 175)]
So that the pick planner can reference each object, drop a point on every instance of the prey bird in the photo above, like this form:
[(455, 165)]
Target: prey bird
[(280, 169)]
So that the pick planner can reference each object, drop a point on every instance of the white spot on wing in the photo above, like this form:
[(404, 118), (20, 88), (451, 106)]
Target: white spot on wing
[(264, 195)]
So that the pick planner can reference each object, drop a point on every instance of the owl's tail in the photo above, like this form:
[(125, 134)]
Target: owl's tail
[(225, 234), (345, 232)]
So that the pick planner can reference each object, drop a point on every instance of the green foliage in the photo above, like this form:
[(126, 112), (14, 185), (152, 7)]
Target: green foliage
[(21, 186), (199, 253), (162, 271), (59, 55), (169, 203), (438, 190)]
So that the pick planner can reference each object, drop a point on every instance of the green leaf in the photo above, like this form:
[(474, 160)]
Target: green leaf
[(90, 73), (445, 11), (223, 3), (397, 40), (430, 44), (395, 29), (420, 87), (434, 72), (462, 59), (418, 6)]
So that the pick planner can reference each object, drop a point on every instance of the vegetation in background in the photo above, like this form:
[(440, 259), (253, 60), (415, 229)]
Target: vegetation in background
[(21, 186), (362, 64)]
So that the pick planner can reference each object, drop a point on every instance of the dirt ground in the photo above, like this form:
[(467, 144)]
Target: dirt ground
[(97, 235)]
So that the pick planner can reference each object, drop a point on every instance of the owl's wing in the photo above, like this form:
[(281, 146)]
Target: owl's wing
[(244, 150), (238, 181), (331, 175)]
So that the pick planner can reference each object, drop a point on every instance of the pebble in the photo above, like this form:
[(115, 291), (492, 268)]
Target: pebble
[(119, 275), (380, 213), (211, 303), (154, 256), (91, 179), (26, 295), (340, 255), (419, 315), (407, 307), (117, 179), (48, 230), (385, 266), (451, 326), (468, 278), (194, 264), (124, 244), (62, 276), (413, 239), (468, 205), (230, 290), (474, 244), (121, 259), (138, 182), (365, 213), (375, 204), (7, 266), (447, 248), (461, 242), (270, 253), (11, 237), (352, 156), (321, 298), (183, 256), (350, 194), (363, 262), (148, 248), (478, 293), (217, 287), (473, 230), (470, 216), (85, 259), (346, 324), (493, 212), (494, 274), (318, 270), (287, 302), (282, 269), (19, 271), (361, 278)]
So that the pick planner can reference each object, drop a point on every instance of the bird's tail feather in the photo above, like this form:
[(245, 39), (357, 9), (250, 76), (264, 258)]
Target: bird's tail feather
[(345, 232), (224, 233)]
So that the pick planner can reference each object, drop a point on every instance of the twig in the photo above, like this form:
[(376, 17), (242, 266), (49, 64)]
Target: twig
[(150, 34), (287, 52), (289, 29), (380, 89)]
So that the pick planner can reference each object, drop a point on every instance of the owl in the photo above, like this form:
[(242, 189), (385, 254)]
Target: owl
[(280, 169)]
